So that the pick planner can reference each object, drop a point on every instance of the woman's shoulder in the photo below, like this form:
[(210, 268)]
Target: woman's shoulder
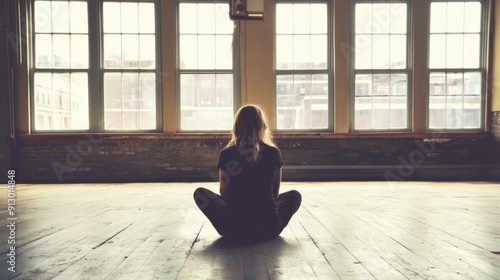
[(229, 148), (270, 149)]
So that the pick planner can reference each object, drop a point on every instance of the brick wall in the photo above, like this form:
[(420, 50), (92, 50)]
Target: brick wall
[(162, 157), (495, 125), (495, 151)]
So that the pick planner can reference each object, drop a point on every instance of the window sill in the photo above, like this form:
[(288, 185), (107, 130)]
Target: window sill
[(226, 136)]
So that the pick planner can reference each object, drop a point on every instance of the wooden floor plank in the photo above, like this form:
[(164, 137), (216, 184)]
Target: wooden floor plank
[(317, 259), (344, 230), (447, 244)]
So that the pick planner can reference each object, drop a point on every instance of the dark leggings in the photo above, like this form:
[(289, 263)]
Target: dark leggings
[(214, 207)]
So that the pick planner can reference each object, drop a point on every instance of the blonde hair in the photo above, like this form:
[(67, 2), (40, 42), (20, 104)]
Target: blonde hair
[(249, 130)]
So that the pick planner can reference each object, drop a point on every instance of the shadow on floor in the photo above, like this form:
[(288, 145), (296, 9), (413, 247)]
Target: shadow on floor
[(231, 260)]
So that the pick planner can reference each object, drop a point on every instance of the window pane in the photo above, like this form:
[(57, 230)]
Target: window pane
[(319, 19), (147, 51), (148, 100), (381, 51), (224, 52), (472, 50), (284, 52), (437, 83), (127, 98), (206, 18), (188, 50), (363, 19), (380, 39), (43, 16), (130, 53), (437, 51), (146, 18), (398, 18), (399, 101), (454, 51), (284, 22), (61, 101), (319, 52), (398, 52), (455, 38), (302, 52), (78, 17), (302, 101), (381, 101), (301, 36), (188, 19), (455, 17), (61, 51), (112, 51), (111, 17), (381, 18), (438, 17), (60, 17), (79, 51), (301, 18), (206, 101), (130, 17), (458, 106), (222, 25), (472, 17), (60, 47), (43, 51), (363, 51), (206, 52)]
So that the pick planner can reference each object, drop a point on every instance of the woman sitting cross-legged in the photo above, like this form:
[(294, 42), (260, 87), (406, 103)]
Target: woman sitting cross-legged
[(249, 206)]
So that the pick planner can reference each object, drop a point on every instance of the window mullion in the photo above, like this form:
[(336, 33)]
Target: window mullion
[(95, 88)]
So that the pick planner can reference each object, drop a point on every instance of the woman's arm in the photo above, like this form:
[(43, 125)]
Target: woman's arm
[(224, 181), (277, 182)]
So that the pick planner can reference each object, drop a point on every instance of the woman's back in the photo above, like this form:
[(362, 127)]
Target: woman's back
[(251, 206)]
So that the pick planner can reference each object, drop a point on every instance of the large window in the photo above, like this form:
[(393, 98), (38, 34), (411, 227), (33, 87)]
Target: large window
[(380, 90), (80, 68), (129, 65), (302, 66), (456, 65), (206, 68), (61, 64)]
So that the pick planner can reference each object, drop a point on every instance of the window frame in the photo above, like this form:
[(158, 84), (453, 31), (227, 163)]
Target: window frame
[(95, 71), (408, 70), (483, 69), (328, 71), (235, 71)]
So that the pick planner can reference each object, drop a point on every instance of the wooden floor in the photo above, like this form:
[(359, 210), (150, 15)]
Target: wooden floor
[(343, 230)]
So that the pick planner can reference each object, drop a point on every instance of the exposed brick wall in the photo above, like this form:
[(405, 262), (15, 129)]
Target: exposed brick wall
[(495, 151), (162, 157), (495, 125), (117, 158)]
